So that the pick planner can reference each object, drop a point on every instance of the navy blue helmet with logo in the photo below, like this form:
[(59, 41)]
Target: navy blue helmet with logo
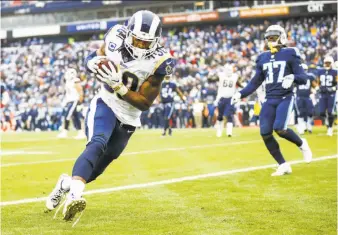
[(143, 35)]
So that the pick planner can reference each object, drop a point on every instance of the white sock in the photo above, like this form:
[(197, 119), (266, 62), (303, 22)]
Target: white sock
[(76, 188), (309, 123), (229, 128), (301, 125), (65, 184)]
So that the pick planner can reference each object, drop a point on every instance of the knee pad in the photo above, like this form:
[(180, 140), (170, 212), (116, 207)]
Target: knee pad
[(220, 118)]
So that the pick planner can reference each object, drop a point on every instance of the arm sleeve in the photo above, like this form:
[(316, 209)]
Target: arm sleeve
[(297, 69), (254, 83)]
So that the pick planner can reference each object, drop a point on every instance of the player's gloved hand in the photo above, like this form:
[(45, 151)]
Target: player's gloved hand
[(112, 78), (236, 98), (288, 81), (92, 64)]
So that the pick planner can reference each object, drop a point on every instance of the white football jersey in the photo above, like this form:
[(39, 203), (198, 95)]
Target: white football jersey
[(227, 84), (71, 93), (134, 73)]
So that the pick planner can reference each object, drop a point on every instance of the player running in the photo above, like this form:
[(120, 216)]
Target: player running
[(115, 112), (327, 79), (73, 97), (226, 89), (279, 67), (304, 104), (168, 90)]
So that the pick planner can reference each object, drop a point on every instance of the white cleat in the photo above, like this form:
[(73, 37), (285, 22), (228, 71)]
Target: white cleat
[(306, 151), (61, 188), (72, 207), (63, 134), (80, 136), (283, 169), (329, 131)]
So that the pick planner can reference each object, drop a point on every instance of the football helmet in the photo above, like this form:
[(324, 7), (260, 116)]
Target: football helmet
[(328, 62), (275, 30), (70, 74), (144, 30)]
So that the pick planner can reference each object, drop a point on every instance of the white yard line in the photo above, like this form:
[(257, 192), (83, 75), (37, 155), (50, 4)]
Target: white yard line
[(22, 152), (169, 181), (139, 152)]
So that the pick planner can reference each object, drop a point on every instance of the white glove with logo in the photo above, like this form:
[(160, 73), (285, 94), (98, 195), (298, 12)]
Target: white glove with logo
[(288, 81), (112, 78), (93, 63), (236, 98)]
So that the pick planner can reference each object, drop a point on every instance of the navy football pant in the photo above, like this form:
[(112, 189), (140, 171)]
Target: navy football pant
[(70, 112), (107, 138), (326, 103), (168, 111), (274, 116), (304, 107), (225, 109)]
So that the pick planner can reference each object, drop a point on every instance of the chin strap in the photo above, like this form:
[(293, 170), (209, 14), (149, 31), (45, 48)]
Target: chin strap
[(273, 49)]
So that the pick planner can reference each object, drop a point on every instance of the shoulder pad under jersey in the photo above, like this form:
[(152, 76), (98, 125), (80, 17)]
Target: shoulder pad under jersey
[(165, 65)]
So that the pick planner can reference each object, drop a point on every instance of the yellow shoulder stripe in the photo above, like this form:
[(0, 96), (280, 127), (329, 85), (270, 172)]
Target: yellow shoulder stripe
[(160, 61)]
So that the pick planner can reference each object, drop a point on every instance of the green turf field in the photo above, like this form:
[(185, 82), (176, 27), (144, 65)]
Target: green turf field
[(144, 192)]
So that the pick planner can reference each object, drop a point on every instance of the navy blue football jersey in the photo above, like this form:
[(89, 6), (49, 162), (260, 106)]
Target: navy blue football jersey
[(167, 91), (272, 68), (305, 89), (328, 81)]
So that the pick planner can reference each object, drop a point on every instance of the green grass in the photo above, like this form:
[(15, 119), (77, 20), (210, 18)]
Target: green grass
[(242, 203)]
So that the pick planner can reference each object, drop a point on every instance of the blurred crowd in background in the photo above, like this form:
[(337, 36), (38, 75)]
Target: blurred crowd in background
[(32, 84)]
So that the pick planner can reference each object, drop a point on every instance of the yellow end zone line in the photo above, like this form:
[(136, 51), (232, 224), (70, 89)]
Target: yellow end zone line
[(168, 181)]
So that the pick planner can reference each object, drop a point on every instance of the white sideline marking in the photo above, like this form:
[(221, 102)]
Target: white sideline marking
[(5, 152), (169, 181), (139, 152)]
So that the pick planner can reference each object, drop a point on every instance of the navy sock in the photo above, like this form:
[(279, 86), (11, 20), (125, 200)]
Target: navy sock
[(273, 147), (66, 125), (330, 119), (291, 136)]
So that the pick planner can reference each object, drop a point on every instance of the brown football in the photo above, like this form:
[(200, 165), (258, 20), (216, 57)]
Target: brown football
[(105, 62)]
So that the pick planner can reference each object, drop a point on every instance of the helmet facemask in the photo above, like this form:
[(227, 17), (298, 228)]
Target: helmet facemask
[(140, 47), (275, 36)]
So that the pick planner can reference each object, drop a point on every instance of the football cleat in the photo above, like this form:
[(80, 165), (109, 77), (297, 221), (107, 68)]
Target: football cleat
[(306, 151), (63, 134), (72, 207), (80, 136), (283, 169), (61, 188), (330, 131)]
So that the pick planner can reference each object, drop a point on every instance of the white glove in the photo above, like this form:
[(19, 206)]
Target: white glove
[(236, 98), (288, 81), (112, 78), (93, 63)]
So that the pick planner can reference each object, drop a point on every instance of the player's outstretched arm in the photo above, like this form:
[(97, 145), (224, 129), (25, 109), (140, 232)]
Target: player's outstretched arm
[(254, 83), (147, 93)]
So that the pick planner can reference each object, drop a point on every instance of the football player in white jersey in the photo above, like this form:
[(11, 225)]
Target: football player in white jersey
[(73, 97), (114, 113), (226, 89)]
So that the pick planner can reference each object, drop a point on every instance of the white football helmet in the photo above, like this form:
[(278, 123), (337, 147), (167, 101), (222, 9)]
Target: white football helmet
[(228, 69), (276, 30), (143, 35), (70, 74), (328, 59)]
